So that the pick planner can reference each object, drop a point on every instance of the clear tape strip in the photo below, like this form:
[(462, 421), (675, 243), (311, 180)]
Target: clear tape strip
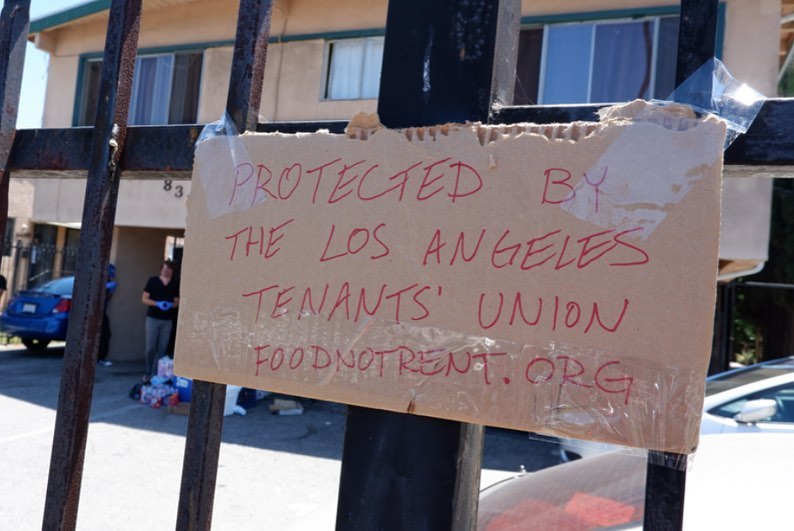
[(713, 90)]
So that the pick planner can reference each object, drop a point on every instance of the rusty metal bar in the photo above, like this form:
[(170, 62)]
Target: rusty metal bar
[(150, 151), (85, 318), (248, 63), (467, 484), (205, 424), (14, 22), (200, 465), (63, 153)]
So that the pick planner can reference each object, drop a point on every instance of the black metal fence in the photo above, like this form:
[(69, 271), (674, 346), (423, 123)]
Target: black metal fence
[(439, 489), (29, 265)]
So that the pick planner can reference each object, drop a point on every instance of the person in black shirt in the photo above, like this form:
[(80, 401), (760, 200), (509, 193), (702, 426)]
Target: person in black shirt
[(161, 296)]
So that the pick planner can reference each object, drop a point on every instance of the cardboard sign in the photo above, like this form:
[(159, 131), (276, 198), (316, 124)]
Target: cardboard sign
[(556, 279)]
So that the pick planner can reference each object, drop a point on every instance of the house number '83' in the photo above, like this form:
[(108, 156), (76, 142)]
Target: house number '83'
[(168, 186)]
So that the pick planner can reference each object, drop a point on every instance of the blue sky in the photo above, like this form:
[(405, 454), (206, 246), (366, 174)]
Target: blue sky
[(34, 79)]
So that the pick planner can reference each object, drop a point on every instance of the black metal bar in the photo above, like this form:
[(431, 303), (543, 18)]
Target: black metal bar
[(666, 476), (401, 471), (467, 485), (665, 487), (547, 114), (205, 423), (85, 317), (697, 36), (14, 22), (438, 62), (398, 472), (770, 139)]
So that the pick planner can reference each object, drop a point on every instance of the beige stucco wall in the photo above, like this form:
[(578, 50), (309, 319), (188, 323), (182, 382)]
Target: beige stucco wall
[(297, 95), (752, 40), (20, 201), (292, 88), (61, 83), (744, 234), (214, 83), (140, 203)]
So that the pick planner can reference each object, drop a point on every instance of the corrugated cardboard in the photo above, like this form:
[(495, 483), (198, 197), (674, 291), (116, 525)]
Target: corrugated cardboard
[(556, 279)]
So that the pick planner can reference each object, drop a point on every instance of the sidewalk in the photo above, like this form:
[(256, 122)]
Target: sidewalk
[(275, 472)]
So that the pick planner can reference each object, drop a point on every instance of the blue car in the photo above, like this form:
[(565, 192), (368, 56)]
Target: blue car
[(40, 315)]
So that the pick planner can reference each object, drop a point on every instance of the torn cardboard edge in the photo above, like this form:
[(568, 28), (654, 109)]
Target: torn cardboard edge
[(675, 117)]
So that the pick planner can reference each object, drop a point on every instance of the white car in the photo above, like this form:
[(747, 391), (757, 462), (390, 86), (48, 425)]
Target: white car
[(753, 399)]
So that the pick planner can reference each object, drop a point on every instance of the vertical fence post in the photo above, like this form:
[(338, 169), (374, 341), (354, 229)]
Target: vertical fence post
[(85, 317), (401, 471), (697, 36), (14, 21), (665, 484), (205, 423)]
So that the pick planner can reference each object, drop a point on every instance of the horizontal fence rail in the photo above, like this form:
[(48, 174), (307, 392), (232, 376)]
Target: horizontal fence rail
[(64, 153)]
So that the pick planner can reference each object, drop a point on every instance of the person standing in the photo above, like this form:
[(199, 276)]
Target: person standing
[(161, 296)]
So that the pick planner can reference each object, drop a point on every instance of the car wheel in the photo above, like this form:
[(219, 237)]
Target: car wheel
[(36, 344)]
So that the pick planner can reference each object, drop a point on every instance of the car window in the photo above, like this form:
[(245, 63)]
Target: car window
[(783, 395), (733, 380), (61, 286)]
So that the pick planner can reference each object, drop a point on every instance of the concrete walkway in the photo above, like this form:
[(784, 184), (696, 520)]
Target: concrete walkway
[(275, 472)]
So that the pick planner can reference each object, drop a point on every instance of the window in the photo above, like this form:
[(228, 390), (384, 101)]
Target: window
[(783, 396), (165, 89), (597, 62), (354, 69)]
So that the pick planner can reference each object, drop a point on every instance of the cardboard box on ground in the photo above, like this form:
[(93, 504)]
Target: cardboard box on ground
[(558, 279)]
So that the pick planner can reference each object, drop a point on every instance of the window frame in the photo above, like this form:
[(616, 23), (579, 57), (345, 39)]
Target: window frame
[(616, 16), (88, 57), (655, 20), (327, 59)]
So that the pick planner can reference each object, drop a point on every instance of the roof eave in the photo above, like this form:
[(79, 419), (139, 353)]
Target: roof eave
[(68, 15)]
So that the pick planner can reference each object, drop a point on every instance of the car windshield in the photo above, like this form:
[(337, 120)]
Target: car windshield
[(61, 286), (732, 380)]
